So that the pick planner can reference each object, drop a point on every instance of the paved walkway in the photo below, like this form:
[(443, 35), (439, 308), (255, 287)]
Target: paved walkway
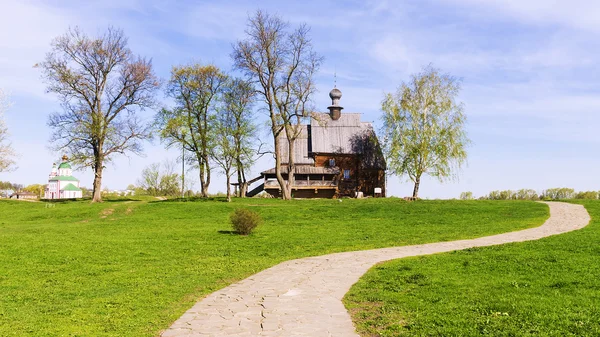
[(303, 297)]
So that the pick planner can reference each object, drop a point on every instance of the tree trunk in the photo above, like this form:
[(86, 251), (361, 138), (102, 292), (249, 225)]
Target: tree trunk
[(238, 189), (416, 189), (201, 174), (291, 168), (228, 175), (207, 182), (97, 194), (182, 172), (282, 183), (243, 189), (242, 182)]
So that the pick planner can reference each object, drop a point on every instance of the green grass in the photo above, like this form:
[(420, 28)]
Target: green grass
[(130, 268), (549, 287)]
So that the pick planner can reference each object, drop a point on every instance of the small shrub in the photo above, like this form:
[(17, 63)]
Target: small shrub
[(466, 195), (587, 195), (244, 221)]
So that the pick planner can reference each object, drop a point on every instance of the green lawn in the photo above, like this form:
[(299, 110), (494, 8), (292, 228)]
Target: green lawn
[(131, 268), (549, 287)]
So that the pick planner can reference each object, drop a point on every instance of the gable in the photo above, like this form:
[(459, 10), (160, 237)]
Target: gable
[(337, 136)]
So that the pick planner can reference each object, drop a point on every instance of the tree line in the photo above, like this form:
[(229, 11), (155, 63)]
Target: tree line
[(529, 194)]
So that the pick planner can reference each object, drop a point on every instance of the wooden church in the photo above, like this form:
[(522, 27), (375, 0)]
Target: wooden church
[(336, 155)]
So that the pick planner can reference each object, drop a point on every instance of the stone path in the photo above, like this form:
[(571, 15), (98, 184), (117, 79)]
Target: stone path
[(303, 297)]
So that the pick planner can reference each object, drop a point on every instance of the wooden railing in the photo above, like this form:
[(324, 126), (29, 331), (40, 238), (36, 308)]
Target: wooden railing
[(304, 183)]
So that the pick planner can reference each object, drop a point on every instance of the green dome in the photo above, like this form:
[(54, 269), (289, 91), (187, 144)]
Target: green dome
[(64, 165)]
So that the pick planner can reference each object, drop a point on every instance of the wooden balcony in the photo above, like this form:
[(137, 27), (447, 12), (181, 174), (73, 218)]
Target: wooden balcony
[(305, 184)]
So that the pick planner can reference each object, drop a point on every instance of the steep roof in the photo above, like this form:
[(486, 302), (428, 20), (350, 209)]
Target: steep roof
[(71, 187), (325, 135), (302, 147), (64, 165), (337, 136)]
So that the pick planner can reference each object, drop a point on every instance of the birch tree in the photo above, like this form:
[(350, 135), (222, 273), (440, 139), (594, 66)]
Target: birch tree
[(424, 127), (224, 151), (101, 85), (281, 64), (238, 100), (7, 154), (196, 90)]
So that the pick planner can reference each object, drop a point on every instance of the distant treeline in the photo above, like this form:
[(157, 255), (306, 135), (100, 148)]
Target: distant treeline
[(529, 194), (7, 185)]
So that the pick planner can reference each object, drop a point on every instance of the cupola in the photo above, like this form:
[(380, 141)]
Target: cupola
[(335, 110)]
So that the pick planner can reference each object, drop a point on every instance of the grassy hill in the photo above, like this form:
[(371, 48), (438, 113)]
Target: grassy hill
[(130, 268), (547, 287)]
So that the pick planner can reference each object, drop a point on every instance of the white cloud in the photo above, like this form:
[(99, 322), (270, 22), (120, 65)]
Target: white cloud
[(579, 14)]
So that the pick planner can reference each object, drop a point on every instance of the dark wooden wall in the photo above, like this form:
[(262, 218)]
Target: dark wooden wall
[(361, 179)]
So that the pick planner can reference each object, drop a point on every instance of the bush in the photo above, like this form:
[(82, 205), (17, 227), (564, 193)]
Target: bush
[(587, 195), (244, 221), (466, 195), (559, 193)]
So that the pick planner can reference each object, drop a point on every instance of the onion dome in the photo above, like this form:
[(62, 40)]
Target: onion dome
[(335, 94), (335, 110)]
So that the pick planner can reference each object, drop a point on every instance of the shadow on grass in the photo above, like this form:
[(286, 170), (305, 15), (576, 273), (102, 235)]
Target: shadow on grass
[(193, 199), (64, 201), (119, 200), (228, 232)]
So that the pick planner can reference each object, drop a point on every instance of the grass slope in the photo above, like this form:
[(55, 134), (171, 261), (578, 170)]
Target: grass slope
[(131, 268), (548, 287)]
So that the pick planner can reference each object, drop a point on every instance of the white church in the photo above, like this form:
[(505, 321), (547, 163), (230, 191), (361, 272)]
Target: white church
[(61, 183)]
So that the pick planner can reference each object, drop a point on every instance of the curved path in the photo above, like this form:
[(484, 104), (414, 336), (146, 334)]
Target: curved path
[(303, 297)]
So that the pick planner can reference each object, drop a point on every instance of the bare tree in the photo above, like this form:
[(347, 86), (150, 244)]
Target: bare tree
[(100, 84), (281, 64), (424, 127), (196, 90), (7, 153)]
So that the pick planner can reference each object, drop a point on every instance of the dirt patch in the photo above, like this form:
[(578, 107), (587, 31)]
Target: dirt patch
[(106, 212), (129, 211), (161, 198)]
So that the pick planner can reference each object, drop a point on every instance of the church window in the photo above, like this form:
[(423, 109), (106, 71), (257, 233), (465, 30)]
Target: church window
[(346, 174)]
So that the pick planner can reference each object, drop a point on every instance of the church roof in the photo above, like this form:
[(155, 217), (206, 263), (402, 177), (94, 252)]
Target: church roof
[(337, 136), (71, 187), (64, 178), (64, 165)]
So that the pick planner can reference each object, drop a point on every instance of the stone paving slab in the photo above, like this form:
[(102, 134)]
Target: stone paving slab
[(303, 297)]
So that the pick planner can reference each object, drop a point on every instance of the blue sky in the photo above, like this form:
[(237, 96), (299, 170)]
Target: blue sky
[(530, 70)]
